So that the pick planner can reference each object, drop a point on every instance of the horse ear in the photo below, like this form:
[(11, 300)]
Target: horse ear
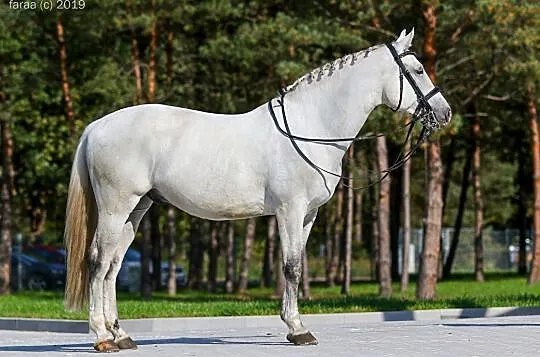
[(401, 35), (404, 41)]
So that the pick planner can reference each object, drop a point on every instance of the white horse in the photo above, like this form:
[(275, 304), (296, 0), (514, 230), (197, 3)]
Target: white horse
[(224, 167)]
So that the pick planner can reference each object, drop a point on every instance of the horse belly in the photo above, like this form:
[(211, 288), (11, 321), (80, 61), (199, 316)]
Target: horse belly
[(208, 190), (219, 202)]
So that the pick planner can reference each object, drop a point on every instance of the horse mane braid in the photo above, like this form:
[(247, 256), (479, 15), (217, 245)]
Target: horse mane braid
[(327, 69)]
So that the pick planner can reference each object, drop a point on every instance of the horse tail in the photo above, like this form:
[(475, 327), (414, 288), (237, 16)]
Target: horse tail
[(81, 217)]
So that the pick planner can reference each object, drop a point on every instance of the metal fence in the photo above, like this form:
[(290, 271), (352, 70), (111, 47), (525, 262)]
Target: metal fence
[(501, 249)]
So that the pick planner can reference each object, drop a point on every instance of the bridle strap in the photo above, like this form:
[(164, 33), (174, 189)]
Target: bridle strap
[(404, 72), (401, 159), (311, 139), (423, 109)]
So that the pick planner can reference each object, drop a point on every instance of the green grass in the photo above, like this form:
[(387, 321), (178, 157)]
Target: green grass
[(461, 292)]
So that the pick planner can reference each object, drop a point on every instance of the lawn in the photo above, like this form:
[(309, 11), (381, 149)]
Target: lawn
[(460, 292)]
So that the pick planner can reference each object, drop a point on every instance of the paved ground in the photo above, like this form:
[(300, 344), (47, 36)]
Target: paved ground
[(492, 337)]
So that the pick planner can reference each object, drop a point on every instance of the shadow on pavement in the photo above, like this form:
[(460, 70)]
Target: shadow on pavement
[(86, 347)]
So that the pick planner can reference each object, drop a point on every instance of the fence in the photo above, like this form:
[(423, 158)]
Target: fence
[(501, 249)]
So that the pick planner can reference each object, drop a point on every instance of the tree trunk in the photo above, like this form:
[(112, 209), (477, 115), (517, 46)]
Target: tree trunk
[(306, 289), (383, 222), (448, 164), (248, 246), (533, 123), (156, 247), (196, 255), (169, 47), (136, 62), (269, 247), (213, 250), (231, 252), (330, 222), (332, 268), (478, 203), (62, 53), (447, 269), (146, 249), (38, 216), (6, 223), (373, 197), (358, 217), (427, 280), (152, 62), (347, 252), (406, 217), (522, 213), (395, 196), (171, 247)]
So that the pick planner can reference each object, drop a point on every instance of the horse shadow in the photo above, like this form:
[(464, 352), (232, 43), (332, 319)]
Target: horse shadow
[(85, 347)]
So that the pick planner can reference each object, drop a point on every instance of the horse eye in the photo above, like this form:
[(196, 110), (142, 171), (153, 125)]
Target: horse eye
[(419, 70)]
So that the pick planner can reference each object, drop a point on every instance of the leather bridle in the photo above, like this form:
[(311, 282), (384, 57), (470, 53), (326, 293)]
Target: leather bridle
[(423, 113)]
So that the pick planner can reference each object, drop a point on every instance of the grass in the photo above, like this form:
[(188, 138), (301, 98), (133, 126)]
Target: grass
[(461, 292)]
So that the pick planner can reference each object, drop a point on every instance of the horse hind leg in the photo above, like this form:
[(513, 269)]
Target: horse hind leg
[(294, 228), (110, 310), (103, 251)]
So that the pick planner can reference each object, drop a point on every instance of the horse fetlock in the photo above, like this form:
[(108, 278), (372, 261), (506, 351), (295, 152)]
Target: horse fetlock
[(113, 325), (293, 322)]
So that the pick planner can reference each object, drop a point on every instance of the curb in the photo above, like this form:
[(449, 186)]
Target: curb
[(236, 322)]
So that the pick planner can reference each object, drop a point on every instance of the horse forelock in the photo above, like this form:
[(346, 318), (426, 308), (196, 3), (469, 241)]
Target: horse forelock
[(327, 69)]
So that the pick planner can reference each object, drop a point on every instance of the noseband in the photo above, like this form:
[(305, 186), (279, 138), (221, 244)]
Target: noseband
[(424, 112)]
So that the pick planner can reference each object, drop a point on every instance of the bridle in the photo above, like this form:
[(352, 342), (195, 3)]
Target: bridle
[(423, 114), (424, 111)]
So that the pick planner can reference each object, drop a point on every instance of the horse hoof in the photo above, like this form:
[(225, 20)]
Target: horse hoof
[(126, 343), (302, 339), (106, 346)]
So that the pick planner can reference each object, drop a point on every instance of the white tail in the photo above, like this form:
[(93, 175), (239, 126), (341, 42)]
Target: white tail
[(81, 219)]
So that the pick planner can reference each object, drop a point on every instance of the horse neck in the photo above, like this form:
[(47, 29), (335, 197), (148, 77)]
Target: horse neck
[(338, 106)]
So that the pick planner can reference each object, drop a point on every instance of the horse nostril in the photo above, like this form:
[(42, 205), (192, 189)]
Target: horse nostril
[(448, 115)]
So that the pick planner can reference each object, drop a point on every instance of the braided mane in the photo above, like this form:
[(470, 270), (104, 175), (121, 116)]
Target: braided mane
[(327, 69)]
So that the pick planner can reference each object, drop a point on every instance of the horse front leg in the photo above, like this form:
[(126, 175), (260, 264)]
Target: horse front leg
[(294, 228)]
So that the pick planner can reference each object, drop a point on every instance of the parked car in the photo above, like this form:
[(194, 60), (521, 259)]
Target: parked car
[(37, 274), (180, 275), (129, 276), (46, 253)]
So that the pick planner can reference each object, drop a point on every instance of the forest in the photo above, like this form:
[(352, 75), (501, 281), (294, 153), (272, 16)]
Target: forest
[(62, 69)]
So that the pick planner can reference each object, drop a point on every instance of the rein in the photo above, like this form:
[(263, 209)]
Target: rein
[(423, 113)]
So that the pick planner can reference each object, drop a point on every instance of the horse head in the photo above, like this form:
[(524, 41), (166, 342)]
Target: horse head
[(408, 88)]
